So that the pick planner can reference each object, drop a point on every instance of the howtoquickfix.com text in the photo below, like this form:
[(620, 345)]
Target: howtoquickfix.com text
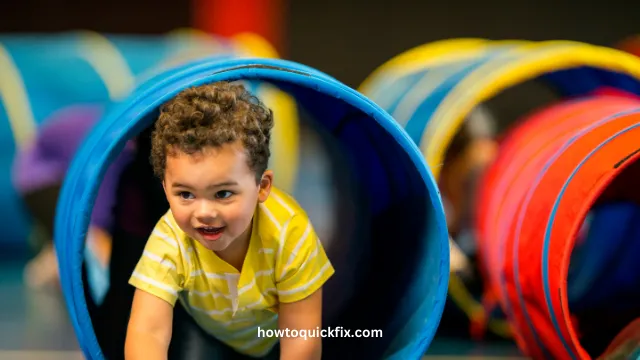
[(313, 333)]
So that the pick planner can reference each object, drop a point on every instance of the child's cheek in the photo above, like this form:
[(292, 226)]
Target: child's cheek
[(239, 216)]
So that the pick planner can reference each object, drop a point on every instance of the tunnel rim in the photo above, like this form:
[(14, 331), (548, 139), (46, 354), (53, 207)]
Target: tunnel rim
[(572, 345)]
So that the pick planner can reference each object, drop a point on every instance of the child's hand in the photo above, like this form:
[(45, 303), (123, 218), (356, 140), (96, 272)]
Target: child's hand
[(150, 326)]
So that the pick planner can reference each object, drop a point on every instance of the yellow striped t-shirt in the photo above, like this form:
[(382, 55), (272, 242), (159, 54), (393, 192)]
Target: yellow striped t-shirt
[(285, 263)]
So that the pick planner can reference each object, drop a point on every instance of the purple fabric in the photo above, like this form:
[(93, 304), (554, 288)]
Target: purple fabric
[(45, 161)]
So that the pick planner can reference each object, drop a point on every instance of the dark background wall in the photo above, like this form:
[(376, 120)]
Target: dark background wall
[(116, 16), (350, 38)]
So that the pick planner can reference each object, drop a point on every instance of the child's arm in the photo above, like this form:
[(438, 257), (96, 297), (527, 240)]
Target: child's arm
[(149, 330), (158, 277), (303, 268), (305, 314)]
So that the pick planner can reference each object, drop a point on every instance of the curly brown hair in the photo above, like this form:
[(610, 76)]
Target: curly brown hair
[(209, 116)]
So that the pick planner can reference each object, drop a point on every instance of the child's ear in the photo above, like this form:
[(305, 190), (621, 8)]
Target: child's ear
[(265, 186), (164, 187)]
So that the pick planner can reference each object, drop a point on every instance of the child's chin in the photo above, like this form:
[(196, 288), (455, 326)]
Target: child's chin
[(217, 245)]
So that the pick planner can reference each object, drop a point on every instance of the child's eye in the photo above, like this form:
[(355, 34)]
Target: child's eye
[(223, 194), (185, 195)]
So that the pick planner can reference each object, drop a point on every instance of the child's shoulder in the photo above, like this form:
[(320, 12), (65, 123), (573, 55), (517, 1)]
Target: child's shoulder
[(166, 226), (167, 221), (282, 205), (168, 242), (282, 213)]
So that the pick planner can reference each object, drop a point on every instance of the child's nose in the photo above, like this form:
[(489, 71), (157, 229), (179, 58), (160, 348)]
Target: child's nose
[(206, 211)]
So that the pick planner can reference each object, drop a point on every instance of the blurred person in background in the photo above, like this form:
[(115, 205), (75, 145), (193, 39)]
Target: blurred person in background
[(472, 150), (38, 173)]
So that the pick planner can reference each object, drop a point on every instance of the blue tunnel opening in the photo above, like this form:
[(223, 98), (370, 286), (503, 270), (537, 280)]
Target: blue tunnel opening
[(398, 243)]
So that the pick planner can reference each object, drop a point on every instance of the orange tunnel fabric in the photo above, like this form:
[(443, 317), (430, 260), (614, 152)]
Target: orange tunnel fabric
[(551, 170)]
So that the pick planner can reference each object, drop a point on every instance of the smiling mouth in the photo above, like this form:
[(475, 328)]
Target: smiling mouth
[(210, 230)]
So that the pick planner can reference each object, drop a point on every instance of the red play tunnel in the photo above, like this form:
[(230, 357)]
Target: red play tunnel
[(554, 168)]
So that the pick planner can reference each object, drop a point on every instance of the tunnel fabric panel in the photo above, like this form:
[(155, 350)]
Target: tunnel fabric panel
[(553, 183)]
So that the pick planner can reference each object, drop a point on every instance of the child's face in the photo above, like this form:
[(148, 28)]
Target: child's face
[(213, 194)]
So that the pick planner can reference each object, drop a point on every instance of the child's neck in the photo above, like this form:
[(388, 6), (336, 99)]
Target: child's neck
[(235, 254)]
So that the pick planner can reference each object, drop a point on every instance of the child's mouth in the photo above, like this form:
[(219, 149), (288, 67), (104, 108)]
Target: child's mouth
[(210, 233)]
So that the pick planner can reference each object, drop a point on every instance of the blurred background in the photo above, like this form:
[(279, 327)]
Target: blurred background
[(346, 39), (64, 63)]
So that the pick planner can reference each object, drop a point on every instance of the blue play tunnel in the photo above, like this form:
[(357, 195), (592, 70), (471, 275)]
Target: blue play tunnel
[(400, 246)]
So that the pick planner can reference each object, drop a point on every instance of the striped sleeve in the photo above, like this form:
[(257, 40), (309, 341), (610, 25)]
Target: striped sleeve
[(302, 266), (160, 270)]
